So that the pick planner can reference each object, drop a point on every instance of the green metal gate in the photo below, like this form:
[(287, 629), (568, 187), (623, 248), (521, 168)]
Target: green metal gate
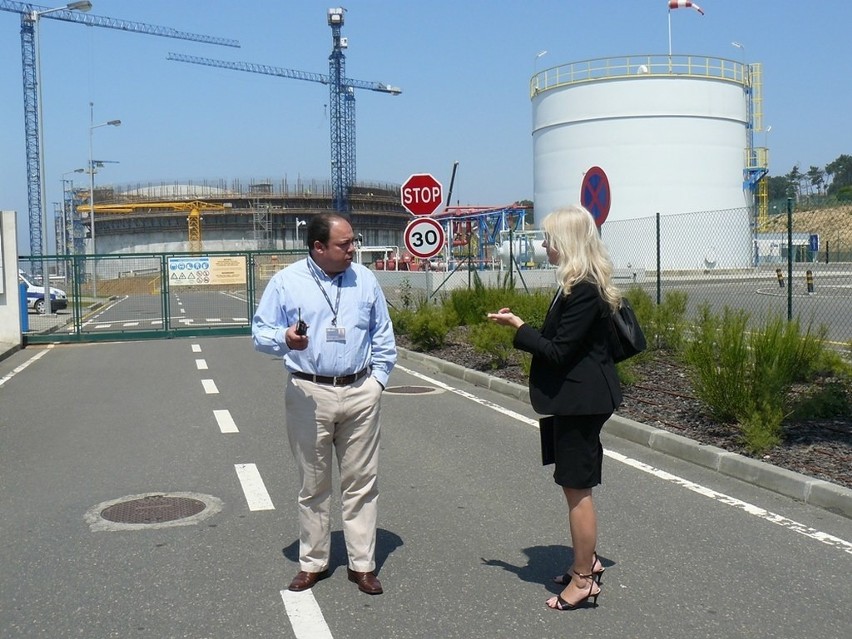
[(151, 296)]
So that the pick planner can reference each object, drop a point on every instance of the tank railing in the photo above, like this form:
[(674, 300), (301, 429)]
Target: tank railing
[(223, 189), (638, 66)]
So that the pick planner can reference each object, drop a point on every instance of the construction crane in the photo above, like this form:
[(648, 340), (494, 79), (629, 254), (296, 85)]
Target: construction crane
[(342, 100), (193, 220), (30, 14)]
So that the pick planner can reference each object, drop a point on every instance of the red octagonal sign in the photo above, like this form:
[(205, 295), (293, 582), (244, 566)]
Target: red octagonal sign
[(422, 194)]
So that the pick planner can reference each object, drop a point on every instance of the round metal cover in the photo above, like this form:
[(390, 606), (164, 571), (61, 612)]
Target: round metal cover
[(153, 509), (411, 390)]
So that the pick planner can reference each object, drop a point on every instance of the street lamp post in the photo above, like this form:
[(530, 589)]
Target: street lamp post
[(535, 64), (92, 127), (81, 5), (741, 47)]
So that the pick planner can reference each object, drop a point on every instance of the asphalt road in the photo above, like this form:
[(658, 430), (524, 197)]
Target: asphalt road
[(472, 528)]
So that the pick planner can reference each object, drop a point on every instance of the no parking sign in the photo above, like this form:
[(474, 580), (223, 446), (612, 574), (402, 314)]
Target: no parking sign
[(595, 195)]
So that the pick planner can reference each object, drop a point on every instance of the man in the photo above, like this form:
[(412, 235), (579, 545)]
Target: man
[(329, 320)]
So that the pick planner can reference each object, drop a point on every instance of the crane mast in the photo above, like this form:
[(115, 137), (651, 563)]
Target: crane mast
[(342, 117), (341, 100), (30, 14)]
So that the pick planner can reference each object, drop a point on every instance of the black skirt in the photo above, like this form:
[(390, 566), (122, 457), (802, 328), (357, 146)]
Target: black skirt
[(579, 453)]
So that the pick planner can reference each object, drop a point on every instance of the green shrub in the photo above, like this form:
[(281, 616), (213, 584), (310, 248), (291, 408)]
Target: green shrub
[(401, 319), (746, 377), (718, 359), (669, 321), (429, 327), (531, 307), (493, 340), (761, 428), (829, 400), (664, 324)]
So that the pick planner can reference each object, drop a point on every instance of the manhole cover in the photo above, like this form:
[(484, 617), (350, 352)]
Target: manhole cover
[(153, 509), (411, 390)]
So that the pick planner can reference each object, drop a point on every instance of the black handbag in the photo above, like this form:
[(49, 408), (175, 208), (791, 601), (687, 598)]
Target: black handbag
[(626, 336)]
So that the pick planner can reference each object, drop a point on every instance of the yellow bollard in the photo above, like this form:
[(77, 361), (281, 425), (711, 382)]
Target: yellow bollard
[(780, 277), (809, 278)]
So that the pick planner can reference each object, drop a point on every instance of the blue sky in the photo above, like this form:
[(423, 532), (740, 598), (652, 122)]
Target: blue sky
[(463, 65)]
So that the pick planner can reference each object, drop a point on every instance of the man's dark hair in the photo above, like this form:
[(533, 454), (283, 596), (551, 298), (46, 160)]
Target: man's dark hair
[(319, 228)]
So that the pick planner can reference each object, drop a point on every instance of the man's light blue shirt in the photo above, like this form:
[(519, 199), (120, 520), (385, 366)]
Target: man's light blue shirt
[(362, 314)]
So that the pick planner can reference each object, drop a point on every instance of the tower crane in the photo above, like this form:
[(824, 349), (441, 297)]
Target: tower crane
[(342, 100), (193, 220), (30, 14)]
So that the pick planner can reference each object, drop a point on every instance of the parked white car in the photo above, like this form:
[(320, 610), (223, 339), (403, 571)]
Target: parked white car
[(35, 295)]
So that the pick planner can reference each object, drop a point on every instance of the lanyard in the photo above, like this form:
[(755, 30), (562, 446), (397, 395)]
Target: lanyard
[(335, 307)]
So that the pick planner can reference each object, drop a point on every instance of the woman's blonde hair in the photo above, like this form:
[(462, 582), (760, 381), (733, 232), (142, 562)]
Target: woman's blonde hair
[(572, 233)]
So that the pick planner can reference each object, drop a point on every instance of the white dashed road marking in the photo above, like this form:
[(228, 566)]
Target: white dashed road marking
[(254, 489)]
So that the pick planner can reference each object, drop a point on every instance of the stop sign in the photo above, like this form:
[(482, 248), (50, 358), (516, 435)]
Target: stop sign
[(422, 194)]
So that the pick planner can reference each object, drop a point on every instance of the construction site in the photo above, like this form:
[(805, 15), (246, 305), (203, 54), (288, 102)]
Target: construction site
[(221, 215)]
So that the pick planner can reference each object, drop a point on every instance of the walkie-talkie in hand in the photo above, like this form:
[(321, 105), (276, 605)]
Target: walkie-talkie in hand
[(301, 327)]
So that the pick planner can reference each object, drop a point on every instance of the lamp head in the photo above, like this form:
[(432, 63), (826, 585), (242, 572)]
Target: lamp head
[(80, 5)]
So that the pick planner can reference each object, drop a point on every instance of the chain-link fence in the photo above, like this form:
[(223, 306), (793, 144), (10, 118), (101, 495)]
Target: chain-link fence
[(794, 266), (138, 296), (798, 270)]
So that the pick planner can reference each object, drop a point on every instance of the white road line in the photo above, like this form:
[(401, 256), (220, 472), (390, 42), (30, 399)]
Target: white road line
[(255, 491), (751, 509), (225, 421), (209, 387), (196, 348), (18, 369), (129, 324), (305, 615), (201, 364)]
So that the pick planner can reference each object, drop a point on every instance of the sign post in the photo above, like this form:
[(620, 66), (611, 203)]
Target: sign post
[(422, 194)]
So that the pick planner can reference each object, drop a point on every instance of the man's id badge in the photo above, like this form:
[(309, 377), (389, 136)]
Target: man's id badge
[(335, 334)]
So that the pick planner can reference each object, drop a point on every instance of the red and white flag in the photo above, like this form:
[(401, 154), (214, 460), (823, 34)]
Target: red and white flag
[(684, 4)]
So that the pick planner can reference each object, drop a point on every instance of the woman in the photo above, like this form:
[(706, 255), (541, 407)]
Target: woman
[(573, 378)]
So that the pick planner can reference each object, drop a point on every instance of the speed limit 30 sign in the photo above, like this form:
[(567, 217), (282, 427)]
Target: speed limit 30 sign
[(424, 237)]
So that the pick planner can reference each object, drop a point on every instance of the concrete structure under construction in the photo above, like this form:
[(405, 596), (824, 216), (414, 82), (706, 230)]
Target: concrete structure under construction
[(235, 215)]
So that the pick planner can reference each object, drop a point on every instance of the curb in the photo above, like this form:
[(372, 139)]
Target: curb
[(814, 492)]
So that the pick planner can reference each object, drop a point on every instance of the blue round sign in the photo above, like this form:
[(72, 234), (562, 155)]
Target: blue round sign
[(595, 194)]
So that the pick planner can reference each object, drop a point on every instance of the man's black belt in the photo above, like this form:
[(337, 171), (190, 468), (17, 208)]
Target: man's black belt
[(340, 380)]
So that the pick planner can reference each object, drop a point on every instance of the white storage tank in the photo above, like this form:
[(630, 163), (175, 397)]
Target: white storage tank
[(660, 134)]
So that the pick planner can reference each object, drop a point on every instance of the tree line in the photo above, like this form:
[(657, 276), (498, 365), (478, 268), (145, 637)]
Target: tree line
[(834, 180)]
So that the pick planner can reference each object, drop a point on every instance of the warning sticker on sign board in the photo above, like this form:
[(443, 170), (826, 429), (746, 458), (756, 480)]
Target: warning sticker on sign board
[(207, 270)]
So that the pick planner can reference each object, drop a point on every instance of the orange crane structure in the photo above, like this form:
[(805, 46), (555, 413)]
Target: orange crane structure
[(193, 220)]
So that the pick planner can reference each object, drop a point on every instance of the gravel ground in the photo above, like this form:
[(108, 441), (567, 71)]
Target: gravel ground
[(663, 398)]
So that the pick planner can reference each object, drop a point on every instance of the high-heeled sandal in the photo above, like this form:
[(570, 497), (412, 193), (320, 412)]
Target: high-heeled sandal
[(561, 604), (597, 572)]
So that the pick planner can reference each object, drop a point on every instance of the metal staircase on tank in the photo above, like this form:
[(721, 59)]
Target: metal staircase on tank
[(756, 169)]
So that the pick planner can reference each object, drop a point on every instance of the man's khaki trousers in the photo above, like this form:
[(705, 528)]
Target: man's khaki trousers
[(322, 419)]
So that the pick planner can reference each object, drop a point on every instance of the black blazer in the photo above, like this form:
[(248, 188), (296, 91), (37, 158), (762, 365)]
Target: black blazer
[(572, 371)]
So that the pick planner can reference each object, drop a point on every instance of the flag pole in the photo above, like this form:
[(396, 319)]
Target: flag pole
[(670, 40)]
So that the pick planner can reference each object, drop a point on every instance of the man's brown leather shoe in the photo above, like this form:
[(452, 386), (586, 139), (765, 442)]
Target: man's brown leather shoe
[(367, 582), (304, 580)]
